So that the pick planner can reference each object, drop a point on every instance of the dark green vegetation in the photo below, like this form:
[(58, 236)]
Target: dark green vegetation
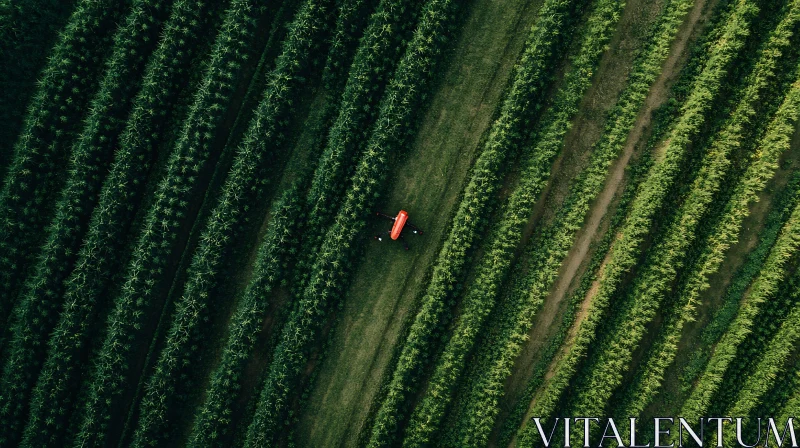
[(609, 191)]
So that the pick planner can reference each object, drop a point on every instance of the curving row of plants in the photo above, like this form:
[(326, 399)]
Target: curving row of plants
[(65, 88), (499, 252), (213, 418), (192, 153), (651, 195), (480, 404), (28, 30), (38, 314), (764, 287), (772, 145), (374, 63), (185, 335), (667, 257), (395, 120), (531, 76)]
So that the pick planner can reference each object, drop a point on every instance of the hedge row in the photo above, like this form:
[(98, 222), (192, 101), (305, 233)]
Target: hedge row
[(667, 257), (765, 161), (651, 195), (395, 122), (185, 335), (528, 294), (56, 110), (504, 240)]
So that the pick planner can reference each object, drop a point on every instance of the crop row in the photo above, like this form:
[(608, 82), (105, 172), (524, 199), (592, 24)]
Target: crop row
[(531, 76), (185, 334), (763, 288), (793, 403), (666, 258), (499, 252), (770, 369), (395, 120), (278, 251), (66, 85), (192, 153), (374, 63), (213, 418), (28, 30), (765, 161), (351, 19), (516, 316), (652, 192), (35, 318), (781, 207)]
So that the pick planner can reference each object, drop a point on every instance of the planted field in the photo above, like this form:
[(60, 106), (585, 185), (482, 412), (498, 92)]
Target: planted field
[(200, 245)]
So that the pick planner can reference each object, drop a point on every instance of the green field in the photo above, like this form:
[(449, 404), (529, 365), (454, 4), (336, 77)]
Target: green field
[(609, 194)]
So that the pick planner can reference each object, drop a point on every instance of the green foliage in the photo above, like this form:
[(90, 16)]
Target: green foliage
[(528, 293), (110, 372), (375, 60), (37, 314), (504, 240), (666, 258), (652, 193), (56, 110), (28, 29), (185, 335), (394, 123), (531, 77), (763, 289), (772, 145), (213, 418)]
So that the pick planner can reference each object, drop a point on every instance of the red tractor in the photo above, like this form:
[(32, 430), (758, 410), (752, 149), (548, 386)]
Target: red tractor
[(400, 223)]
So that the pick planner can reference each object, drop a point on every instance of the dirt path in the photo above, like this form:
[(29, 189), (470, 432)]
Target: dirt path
[(544, 326), (427, 184)]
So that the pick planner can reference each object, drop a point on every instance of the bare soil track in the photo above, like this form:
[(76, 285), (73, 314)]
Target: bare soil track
[(546, 322)]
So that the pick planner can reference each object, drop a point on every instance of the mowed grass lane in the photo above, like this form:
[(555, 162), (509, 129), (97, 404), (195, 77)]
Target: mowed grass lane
[(427, 184)]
